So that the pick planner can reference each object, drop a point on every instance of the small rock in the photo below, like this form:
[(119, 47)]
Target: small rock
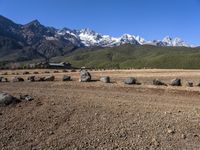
[(65, 70), (158, 82), (105, 79), (26, 72), (183, 136), (26, 97), (66, 78), (171, 131), (189, 84), (35, 72), (176, 82), (73, 70), (56, 71)]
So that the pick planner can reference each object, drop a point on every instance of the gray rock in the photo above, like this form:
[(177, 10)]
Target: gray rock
[(84, 76), (49, 78), (17, 79), (66, 78), (176, 82), (189, 84), (130, 80), (31, 78), (6, 99), (105, 79), (158, 82)]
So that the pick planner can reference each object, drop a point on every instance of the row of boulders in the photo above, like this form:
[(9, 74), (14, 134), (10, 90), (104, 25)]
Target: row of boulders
[(36, 72), (85, 76), (38, 79), (7, 99)]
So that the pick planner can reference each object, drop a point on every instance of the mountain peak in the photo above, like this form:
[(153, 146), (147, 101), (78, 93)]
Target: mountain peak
[(34, 22)]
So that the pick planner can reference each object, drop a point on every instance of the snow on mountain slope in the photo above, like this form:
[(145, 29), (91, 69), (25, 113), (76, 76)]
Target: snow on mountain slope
[(90, 38)]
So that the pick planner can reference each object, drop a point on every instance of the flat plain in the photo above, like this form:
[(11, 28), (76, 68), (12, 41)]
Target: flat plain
[(96, 115)]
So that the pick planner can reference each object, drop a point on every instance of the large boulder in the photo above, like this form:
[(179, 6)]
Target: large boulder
[(158, 82), (17, 79), (66, 78), (84, 76), (176, 82), (130, 80), (49, 78), (105, 79), (6, 99)]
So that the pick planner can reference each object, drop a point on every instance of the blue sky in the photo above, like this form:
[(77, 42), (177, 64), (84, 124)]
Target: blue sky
[(151, 19)]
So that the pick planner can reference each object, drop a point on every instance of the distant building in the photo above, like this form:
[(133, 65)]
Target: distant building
[(62, 65)]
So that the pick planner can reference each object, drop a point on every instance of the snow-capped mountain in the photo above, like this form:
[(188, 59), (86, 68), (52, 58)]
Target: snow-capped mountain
[(91, 38), (36, 34)]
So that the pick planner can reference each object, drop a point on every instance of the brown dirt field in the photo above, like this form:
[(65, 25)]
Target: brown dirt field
[(95, 115)]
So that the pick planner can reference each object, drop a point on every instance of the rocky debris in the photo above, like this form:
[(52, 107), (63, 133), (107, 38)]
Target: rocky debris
[(105, 79), (49, 78), (158, 82), (176, 82), (26, 97), (46, 72), (31, 78), (66, 78), (131, 80), (3, 79), (84, 76), (56, 71), (17, 79), (6, 99), (26, 72), (189, 84), (198, 84)]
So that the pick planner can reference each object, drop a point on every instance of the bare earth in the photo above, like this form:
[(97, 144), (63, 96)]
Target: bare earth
[(95, 115)]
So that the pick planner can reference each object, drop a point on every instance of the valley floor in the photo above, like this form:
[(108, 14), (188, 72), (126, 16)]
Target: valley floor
[(95, 115)]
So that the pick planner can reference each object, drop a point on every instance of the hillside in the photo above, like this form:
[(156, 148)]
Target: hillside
[(129, 56)]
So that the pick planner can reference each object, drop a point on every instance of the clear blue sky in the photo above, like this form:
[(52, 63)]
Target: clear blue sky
[(151, 19)]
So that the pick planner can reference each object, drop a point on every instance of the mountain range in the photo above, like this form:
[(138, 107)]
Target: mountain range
[(33, 41)]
